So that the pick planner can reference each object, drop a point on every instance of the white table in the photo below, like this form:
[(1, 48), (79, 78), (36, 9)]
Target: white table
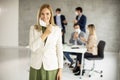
[(76, 49)]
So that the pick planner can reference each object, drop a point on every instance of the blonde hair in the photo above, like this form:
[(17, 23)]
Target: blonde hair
[(91, 28), (38, 27)]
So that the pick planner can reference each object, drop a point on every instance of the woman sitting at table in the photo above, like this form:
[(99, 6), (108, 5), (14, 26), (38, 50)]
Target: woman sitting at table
[(91, 45)]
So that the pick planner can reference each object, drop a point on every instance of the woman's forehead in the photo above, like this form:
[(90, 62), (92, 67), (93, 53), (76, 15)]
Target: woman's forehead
[(45, 10)]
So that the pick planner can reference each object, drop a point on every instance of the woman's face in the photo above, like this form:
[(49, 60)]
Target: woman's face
[(45, 15)]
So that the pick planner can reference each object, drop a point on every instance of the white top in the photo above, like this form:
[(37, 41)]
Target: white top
[(50, 54), (58, 21)]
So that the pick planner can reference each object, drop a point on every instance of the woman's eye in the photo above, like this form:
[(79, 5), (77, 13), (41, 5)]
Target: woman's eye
[(47, 13), (42, 14)]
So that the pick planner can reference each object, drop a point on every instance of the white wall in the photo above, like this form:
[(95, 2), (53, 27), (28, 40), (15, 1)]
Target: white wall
[(8, 23)]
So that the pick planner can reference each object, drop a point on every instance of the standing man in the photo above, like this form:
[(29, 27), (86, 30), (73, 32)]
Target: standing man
[(80, 19), (60, 20)]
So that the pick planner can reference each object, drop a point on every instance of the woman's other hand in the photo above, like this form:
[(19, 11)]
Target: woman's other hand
[(83, 39), (59, 74)]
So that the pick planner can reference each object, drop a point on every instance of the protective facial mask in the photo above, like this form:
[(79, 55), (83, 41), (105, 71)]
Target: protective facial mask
[(78, 31), (42, 23), (58, 14)]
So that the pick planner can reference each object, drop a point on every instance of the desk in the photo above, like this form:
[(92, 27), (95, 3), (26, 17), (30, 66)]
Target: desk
[(77, 49)]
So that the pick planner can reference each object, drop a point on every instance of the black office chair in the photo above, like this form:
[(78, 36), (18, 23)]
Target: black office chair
[(100, 56)]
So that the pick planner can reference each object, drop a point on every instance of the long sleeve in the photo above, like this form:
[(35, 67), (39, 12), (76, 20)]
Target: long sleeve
[(72, 41), (35, 42), (63, 18), (59, 50), (79, 42), (82, 23), (92, 44)]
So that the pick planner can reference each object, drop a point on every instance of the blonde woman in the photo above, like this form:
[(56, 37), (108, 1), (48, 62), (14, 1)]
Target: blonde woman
[(91, 45), (46, 46)]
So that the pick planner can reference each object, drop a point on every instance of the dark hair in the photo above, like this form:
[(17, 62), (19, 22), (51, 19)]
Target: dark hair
[(79, 9), (75, 25), (58, 9)]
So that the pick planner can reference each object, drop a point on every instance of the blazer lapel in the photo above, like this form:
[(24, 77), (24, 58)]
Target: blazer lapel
[(49, 38)]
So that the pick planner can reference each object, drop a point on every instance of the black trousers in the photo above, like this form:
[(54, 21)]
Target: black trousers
[(86, 55)]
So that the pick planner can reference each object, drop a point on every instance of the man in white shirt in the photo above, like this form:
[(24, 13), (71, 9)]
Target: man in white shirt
[(60, 20)]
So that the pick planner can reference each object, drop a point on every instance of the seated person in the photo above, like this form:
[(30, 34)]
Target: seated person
[(75, 40), (91, 45)]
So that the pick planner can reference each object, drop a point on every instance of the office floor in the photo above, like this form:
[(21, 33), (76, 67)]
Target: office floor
[(14, 65)]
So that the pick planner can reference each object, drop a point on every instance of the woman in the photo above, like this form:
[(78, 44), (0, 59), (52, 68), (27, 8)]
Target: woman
[(46, 46), (91, 45)]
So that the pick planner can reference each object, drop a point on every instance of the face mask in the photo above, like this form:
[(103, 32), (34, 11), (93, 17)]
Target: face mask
[(42, 23), (58, 14), (78, 31)]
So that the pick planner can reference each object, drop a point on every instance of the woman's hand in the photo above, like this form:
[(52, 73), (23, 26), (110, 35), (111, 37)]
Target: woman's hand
[(59, 74), (83, 39), (47, 32)]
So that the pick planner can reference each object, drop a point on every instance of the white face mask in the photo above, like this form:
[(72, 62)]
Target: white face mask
[(42, 23), (77, 30), (58, 14)]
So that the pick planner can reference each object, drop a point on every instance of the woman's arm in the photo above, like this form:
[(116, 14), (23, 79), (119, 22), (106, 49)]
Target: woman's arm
[(59, 55), (91, 42), (59, 50), (83, 40), (34, 43)]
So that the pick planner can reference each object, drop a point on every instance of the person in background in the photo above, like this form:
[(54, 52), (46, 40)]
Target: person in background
[(46, 47), (91, 44), (75, 40), (60, 20), (80, 19)]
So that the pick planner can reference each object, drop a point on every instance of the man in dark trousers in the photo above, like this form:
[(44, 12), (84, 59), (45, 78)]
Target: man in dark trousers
[(80, 19), (60, 20)]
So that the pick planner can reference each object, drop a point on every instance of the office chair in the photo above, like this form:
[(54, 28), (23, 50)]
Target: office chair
[(100, 56)]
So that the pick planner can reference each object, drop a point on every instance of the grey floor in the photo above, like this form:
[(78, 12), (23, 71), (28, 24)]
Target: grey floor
[(14, 65)]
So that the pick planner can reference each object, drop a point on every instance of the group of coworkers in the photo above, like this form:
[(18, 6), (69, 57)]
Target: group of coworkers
[(78, 37), (45, 41)]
